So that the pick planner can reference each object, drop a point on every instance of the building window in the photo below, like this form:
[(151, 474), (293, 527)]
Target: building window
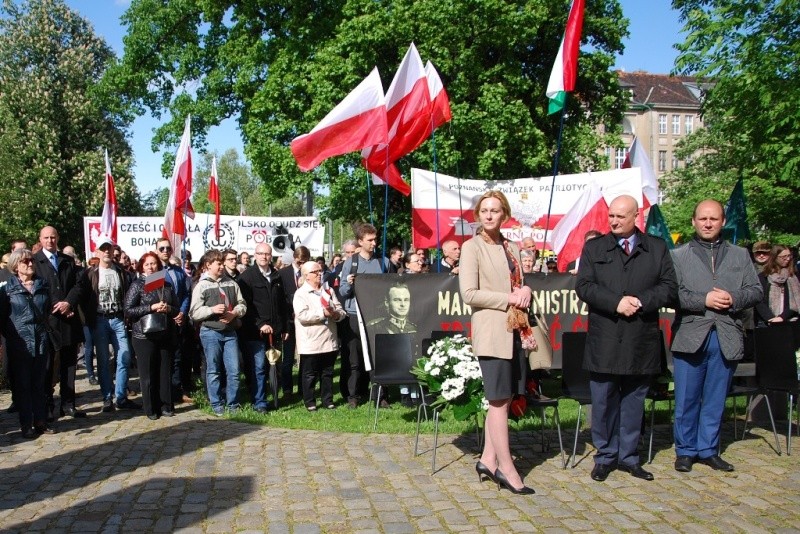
[(662, 160), (619, 157), (674, 162), (662, 123), (676, 125), (689, 126)]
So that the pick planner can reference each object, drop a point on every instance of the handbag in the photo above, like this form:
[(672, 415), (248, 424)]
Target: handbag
[(542, 357), (154, 323)]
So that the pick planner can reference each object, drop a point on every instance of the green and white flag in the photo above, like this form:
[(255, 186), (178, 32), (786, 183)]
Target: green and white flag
[(565, 68)]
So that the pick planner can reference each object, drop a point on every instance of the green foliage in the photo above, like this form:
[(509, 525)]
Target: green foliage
[(280, 68), (236, 184), (749, 49), (54, 124)]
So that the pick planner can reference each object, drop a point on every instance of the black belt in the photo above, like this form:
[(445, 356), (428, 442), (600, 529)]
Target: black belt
[(117, 315)]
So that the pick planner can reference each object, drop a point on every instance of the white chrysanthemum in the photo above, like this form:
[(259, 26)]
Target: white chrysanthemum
[(484, 404), (436, 371)]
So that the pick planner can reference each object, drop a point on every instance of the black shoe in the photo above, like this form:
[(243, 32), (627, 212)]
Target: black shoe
[(502, 482), (128, 404), (352, 404), (29, 433), (44, 429), (108, 406), (168, 413), (716, 463), (72, 412), (600, 471), (683, 464), (482, 471), (93, 381), (636, 470)]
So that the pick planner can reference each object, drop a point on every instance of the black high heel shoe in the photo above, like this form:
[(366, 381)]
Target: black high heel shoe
[(502, 481), (482, 470)]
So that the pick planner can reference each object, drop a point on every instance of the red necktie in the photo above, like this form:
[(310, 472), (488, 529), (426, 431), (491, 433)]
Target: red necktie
[(626, 246)]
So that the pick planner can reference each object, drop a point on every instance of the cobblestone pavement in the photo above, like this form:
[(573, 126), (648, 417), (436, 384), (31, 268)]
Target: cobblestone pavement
[(196, 473)]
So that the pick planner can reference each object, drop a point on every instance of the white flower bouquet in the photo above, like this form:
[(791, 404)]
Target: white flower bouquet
[(451, 371)]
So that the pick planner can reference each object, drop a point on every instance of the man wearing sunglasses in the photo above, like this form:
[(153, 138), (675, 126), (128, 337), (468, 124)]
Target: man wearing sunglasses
[(184, 353)]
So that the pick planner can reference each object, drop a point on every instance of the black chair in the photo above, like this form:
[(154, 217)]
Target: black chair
[(776, 370), (658, 392), (574, 378), (541, 403), (392, 362)]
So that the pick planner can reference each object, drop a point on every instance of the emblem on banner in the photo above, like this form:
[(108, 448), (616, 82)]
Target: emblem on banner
[(227, 238)]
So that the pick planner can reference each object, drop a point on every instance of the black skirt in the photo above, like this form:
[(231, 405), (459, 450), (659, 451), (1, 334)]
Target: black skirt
[(502, 379)]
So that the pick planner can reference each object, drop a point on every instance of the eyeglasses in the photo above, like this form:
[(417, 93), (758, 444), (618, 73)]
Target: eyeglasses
[(165, 249), (318, 271), (761, 253), (784, 256), (26, 261)]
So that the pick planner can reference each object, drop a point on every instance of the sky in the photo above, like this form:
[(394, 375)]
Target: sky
[(654, 30)]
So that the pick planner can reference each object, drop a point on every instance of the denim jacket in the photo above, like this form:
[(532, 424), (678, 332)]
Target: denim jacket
[(23, 316)]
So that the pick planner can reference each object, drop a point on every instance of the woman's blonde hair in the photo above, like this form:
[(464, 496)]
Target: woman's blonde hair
[(503, 203)]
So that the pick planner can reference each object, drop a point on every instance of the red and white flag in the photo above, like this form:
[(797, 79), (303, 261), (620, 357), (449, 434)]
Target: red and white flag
[(565, 67), (590, 212), (440, 102), (108, 221), (213, 195), (637, 157), (356, 122), (408, 105), (155, 281), (180, 194)]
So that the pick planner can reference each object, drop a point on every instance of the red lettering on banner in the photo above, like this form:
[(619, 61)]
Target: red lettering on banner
[(555, 326), (456, 326), (579, 325)]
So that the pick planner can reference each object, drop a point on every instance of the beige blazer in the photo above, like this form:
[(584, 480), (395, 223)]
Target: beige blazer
[(314, 333), (485, 284)]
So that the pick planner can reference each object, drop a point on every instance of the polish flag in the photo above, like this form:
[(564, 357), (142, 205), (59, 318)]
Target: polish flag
[(440, 102), (213, 195), (155, 281), (637, 157), (408, 112), (108, 221), (565, 67), (590, 212), (180, 193), (358, 121)]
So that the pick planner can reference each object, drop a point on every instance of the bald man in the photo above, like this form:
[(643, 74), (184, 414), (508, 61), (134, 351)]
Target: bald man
[(718, 282), (625, 277)]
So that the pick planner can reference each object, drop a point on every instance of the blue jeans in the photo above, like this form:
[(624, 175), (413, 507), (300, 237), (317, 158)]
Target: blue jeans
[(702, 380), (112, 330), (255, 369), (222, 356), (88, 351)]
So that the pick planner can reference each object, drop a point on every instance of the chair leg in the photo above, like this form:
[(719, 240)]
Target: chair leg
[(772, 420), (377, 405), (577, 430), (789, 430), (560, 443), (435, 439), (652, 431), (416, 441), (541, 426), (747, 411)]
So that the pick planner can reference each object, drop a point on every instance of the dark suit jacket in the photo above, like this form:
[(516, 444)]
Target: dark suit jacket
[(616, 344), (266, 303), (289, 289), (63, 287)]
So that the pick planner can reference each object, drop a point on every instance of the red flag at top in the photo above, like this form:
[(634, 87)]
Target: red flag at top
[(213, 195), (108, 221), (180, 204), (440, 102), (356, 122), (408, 108)]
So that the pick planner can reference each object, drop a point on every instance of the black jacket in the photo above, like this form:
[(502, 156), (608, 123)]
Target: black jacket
[(616, 344), (138, 303), (266, 303), (63, 286)]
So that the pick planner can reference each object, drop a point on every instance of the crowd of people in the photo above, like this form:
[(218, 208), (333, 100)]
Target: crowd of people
[(226, 313)]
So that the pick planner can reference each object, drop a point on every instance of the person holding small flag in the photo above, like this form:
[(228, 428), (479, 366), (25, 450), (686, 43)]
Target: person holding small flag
[(151, 305), (317, 310)]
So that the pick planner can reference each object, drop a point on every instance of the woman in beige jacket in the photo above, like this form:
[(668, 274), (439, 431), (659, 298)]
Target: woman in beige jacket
[(490, 280), (316, 312)]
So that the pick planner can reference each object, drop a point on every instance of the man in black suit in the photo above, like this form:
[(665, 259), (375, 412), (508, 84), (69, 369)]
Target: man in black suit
[(625, 277), (290, 278), (66, 332), (264, 321)]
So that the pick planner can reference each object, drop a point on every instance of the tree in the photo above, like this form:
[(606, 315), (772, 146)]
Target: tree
[(745, 53), (280, 68), (54, 124)]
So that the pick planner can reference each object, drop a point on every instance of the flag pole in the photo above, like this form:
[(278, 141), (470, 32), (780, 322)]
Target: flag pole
[(555, 172), (369, 198), (436, 199)]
